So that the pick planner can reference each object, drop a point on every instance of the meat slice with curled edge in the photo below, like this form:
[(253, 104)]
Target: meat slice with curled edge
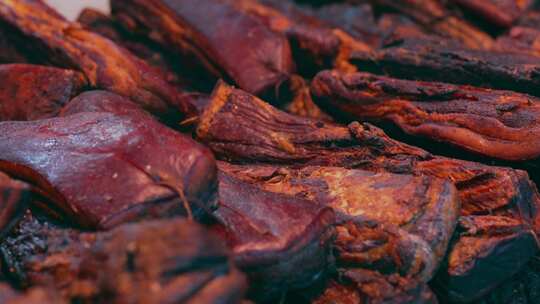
[(105, 161), (494, 123), (282, 242)]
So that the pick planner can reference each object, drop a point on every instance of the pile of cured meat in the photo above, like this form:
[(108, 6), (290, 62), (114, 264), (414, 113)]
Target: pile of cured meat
[(270, 151)]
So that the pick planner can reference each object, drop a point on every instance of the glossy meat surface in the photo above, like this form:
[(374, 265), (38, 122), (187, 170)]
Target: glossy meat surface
[(263, 134), (280, 241), (500, 124), (46, 37), (110, 162), (30, 92), (223, 38), (167, 261)]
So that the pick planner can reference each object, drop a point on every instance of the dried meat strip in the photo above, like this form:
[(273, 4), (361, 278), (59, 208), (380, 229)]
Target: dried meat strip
[(282, 242), (15, 197), (436, 60), (46, 37), (263, 134), (499, 124), (167, 261), (30, 92), (106, 161), (224, 39)]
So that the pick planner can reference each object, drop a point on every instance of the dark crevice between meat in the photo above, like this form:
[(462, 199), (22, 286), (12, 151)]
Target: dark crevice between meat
[(263, 134)]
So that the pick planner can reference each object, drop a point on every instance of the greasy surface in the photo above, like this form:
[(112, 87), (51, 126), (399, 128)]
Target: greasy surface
[(226, 40), (391, 225), (30, 92), (502, 13), (263, 134), (14, 199), (436, 60), (46, 37), (109, 162), (168, 261), (435, 18), (501, 124), (280, 241)]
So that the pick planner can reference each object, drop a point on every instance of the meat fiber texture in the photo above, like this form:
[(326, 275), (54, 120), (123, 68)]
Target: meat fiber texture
[(44, 36), (166, 261), (263, 134), (390, 226), (105, 162), (282, 242), (494, 123), (226, 41), (30, 92), (431, 59)]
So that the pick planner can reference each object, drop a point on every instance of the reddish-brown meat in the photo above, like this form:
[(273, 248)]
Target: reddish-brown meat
[(167, 261), (435, 18), (392, 225), (36, 295), (436, 60), (46, 37), (223, 38), (109, 162), (500, 124), (280, 241), (262, 134), (30, 92), (15, 197), (501, 13)]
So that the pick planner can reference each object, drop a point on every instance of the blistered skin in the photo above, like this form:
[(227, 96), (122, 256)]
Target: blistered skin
[(500, 124), (435, 18), (15, 196), (224, 39), (167, 261), (30, 92), (280, 241), (436, 60), (263, 134), (502, 13), (46, 37), (407, 220), (105, 166)]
